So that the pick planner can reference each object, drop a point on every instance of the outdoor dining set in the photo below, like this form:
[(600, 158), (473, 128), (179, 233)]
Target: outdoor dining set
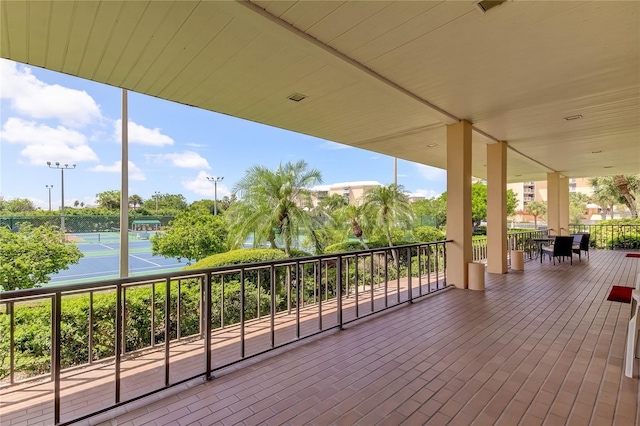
[(561, 247)]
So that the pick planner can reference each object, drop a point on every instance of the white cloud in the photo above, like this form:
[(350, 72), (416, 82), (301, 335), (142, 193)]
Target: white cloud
[(134, 171), (187, 160), (427, 193), (36, 99), (142, 135), (432, 173), (202, 186), (43, 143)]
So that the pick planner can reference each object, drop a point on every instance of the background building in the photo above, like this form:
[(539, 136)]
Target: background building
[(352, 191)]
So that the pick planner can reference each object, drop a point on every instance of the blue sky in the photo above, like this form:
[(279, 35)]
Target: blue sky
[(48, 116)]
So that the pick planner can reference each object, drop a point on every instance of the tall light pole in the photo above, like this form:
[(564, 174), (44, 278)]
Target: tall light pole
[(62, 168), (215, 180), (156, 194), (49, 187)]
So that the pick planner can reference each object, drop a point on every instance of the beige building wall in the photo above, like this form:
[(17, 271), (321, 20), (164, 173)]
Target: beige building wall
[(352, 191), (537, 191)]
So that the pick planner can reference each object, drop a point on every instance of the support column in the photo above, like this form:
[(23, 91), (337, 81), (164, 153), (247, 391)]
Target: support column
[(553, 202), (557, 204), (563, 205), (497, 208), (459, 229)]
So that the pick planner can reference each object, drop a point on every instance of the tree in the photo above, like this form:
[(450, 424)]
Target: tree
[(332, 203), (387, 207), (435, 207), (193, 235), (353, 215), (30, 255), (512, 202), (167, 203), (76, 203), (536, 209), (478, 203), (577, 206), (17, 205), (627, 186), (605, 194), (611, 190), (226, 202), (135, 200), (272, 203), (109, 200)]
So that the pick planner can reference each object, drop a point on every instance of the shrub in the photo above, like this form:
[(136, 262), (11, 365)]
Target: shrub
[(298, 253), (346, 247), (427, 234), (480, 230), (240, 256), (625, 242)]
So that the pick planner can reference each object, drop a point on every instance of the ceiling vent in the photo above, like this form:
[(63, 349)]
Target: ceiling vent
[(487, 5), (297, 97), (573, 117)]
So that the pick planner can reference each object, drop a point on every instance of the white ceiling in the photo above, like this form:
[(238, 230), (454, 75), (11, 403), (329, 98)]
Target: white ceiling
[(383, 76)]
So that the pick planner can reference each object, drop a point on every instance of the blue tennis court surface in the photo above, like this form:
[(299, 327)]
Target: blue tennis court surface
[(102, 259)]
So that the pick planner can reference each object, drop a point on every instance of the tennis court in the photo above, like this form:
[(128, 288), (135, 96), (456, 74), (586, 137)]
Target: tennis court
[(102, 258)]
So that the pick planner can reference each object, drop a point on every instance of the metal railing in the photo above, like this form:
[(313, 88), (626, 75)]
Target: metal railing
[(524, 241), (516, 241), (611, 236), (189, 324)]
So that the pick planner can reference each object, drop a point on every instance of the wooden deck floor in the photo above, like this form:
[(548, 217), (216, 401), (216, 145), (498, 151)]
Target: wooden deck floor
[(541, 346)]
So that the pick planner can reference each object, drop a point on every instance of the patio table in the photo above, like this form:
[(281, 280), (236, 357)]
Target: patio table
[(540, 241)]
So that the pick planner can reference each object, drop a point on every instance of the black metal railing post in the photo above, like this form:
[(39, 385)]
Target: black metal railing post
[(118, 336), (356, 286), (242, 307), (339, 289), (56, 312), (167, 327), (12, 341), (409, 283), (273, 307), (207, 326), (320, 295)]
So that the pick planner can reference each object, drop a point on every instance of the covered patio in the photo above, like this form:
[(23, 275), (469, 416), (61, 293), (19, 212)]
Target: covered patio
[(539, 346), (522, 91), (542, 346)]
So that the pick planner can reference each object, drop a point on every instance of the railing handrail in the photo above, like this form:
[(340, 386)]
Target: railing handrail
[(67, 288)]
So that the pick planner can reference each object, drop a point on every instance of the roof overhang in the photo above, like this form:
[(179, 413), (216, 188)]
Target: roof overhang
[(383, 76)]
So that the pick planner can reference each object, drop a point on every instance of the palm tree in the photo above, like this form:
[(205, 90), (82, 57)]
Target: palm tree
[(353, 215), (386, 207), (535, 209), (604, 194), (610, 190), (273, 203), (627, 186), (332, 203), (135, 200)]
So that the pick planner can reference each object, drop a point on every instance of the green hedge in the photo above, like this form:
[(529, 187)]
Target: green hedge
[(624, 242), (240, 256), (427, 234)]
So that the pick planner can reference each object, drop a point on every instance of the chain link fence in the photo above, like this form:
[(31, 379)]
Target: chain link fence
[(76, 224)]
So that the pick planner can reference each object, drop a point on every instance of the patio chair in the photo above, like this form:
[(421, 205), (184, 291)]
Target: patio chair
[(562, 247), (582, 245)]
